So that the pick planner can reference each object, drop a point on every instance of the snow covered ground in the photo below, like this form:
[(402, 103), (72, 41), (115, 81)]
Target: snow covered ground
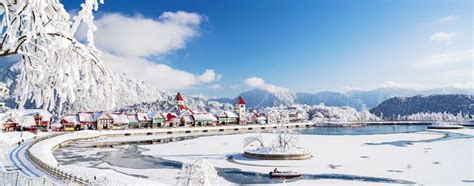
[(427, 157), (9, 140), (415, 157)]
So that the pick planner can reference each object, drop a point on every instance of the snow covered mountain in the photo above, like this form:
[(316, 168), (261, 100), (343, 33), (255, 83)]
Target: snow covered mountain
[(329, 99), (374, 97), (357, 99), (257, 98), (126, 90), (453, 103)]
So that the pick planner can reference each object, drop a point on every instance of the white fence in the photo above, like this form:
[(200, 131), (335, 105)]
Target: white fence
[(16, 178)]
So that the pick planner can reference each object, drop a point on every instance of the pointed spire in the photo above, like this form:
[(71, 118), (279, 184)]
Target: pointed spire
[(178, 97), (240, 101)]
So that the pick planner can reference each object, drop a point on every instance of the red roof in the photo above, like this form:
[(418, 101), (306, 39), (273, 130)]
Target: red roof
[(178, 97), (240, 101)]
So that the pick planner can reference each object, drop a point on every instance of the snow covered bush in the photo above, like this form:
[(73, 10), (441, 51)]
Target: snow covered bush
[(436, 116), (321, 113), (201, 172), (317, 113)]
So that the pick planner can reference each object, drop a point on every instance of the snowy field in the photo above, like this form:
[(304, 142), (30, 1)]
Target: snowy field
[(423, 157), (428, 157)]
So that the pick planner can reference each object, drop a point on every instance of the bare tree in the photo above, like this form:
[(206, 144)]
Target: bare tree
[(256, 139)]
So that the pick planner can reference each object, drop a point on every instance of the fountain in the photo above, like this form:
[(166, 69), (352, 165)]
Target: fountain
[(285, 146)]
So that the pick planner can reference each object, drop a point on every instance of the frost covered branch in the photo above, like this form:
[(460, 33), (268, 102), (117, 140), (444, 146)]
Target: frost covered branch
[(54, 65), (256, 139)]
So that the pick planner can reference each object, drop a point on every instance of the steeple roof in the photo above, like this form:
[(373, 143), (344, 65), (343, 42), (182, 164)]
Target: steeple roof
[(179, 97), (240, 101)]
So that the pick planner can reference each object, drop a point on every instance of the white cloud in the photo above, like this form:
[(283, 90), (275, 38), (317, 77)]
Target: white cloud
[(140, 36), (256, 82), (234, 86), (128, 42), (216, 87), (448, 58), (160, 75), (393, 84), (442, 36), (209, 76), (448, 18)]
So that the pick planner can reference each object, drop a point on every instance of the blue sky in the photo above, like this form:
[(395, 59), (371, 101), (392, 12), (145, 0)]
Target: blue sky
[(300, 45)]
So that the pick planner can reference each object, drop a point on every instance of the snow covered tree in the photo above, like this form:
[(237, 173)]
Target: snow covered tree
[(201, 172), (54, 65)]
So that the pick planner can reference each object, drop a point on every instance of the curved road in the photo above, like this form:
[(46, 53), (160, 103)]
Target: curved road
[(19, 159)]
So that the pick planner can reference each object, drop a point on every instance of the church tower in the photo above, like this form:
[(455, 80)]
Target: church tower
[(179, 102), (240, 109)]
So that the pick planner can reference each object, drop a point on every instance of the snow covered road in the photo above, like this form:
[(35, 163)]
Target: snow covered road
[(20, 161)]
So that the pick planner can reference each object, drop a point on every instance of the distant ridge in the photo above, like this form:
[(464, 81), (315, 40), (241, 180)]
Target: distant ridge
[(357, 99), (435, 103)]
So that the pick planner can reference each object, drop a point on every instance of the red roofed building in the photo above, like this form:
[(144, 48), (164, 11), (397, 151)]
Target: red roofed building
[(240, 109), (240, 101), (179, 102)]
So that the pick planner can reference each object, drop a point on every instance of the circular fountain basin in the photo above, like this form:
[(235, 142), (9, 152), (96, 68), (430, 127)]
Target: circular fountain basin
[(279, 156)]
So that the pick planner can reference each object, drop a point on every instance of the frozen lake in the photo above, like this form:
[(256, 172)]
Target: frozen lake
[(373, 154)]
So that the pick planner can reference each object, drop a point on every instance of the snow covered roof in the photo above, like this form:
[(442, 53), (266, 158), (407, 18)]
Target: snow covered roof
[(202, 116), (45, 115), (104, 115), (71, 118), (9, 117), (86, 117), (228, 114), (120, 118), (261, 118), (142, 116), (156, 115), (27, 121), (132, 118)]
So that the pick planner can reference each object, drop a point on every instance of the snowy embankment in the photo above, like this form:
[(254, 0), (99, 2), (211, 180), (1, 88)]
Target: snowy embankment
[(43, 150)]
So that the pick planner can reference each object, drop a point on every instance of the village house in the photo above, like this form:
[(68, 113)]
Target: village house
[(259, 118), (132, 121), (143, 119), (227, 117), (204, 119), (104, 121), (296, 115), (10, 123), (28, 123), (187, 120), (88, 120), (27, 119), (41, 117), (120, 121), (70, 122), (158, 119), (172, 120)]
